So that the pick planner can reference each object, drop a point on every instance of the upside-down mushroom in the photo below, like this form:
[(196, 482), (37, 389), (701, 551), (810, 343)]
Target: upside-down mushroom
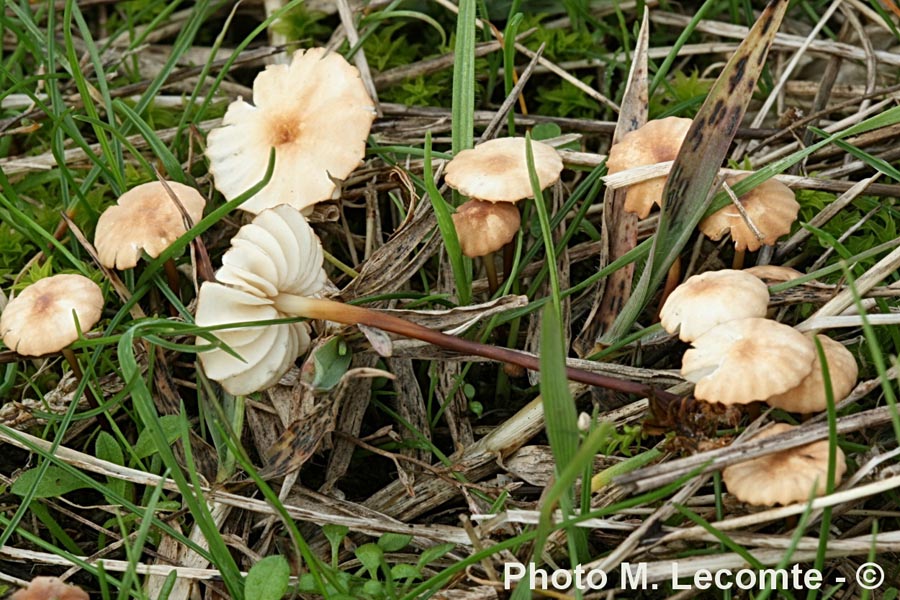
[(483, 228)]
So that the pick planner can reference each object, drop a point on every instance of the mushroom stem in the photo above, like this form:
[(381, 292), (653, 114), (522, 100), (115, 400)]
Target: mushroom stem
[(673, 277), (348, 314), (172, 279), (79, 375), (737, 263), (491, 270)]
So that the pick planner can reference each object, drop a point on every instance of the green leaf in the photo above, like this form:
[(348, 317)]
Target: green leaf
[(463, 109), (545, 131), (331, 361), (55, 482), (146, 446), (268, 579), (108, 449), (394, 542), (404, 571), (435, 552), (370, 556)]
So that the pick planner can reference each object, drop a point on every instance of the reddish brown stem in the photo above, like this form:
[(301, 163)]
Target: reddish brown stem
[(316, 308)]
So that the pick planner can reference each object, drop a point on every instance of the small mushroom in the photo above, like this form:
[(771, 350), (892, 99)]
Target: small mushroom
[(315, 112), (809, 395), (145, 219), (774, 273), (771, 208), (657, 141), (746, 360), (40, 320), (708, 299), (483, 228), (50, 588), (783, 477), (497, 171)]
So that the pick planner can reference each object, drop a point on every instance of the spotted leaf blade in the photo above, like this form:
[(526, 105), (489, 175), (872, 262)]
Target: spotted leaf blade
[(689, 189)]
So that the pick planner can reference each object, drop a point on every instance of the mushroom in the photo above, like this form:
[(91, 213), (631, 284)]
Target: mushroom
[(770, 207), (809, 395), (783, 477), (746, 360), (708, 299), (50, 588), (483, 228), (774, 273), (275, 271), (497, 171), (145, 219), (315, 112), (657, 141)]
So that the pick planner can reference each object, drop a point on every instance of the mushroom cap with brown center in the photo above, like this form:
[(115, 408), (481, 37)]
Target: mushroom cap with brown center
[(809, 395), (770, 206), (657, 141), (50, 588), (315, 112), (742, 361), (145, 218), (497, 171), (708, 299), (784, 477), (39, 320), (484, 227)]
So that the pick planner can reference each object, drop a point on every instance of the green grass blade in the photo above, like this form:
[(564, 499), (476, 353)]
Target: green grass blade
[(463, 108)]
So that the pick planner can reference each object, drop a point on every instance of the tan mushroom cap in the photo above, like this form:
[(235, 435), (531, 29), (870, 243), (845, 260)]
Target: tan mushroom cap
[(144, 219), (809, 395), (484, 227), (315, 112), (783, 477), (708, 299), (771, 207), (775, 273), (39, 320), (50, 588), (497, 171), (742, 361), (657, 141)]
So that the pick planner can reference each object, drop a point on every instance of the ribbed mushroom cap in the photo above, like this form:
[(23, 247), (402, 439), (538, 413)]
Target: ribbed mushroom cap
[(742, 361), (50, 588), (783, 477), (809, 395), (39, 320), (144, 219), (277, 253), (484, 227), (770, 206), (315, 112), (497, 171), (774, 273), (708, 299), (657, 141)]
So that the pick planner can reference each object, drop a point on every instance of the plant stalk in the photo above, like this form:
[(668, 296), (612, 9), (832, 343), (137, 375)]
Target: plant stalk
[(348, 314)]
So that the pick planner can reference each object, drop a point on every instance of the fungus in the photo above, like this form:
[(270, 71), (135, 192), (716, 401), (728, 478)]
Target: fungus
[(783, 477), (145, 218), (497, 171), (746, 360), (708, 299), (279, 278), (770, 207), (50, 588), (483, 228), (655, 142), (809, 395), (315, 112), (774, 273)]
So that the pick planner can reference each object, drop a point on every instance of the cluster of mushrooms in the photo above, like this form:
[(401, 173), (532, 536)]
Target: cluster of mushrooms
[(274, 268)]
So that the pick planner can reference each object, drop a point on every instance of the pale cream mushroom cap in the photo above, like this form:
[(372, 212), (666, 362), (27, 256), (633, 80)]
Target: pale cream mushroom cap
[(484, 227), (144, 219), (708, 299), (809, 395), (784, 477), (39, 320), (50, 588), (742, 361), (277, 253), (657, 141), (771, 207), (497, 170), (774, 273), (315, 112)]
